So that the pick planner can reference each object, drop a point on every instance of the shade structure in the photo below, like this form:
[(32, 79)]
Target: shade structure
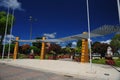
[(107, 29)]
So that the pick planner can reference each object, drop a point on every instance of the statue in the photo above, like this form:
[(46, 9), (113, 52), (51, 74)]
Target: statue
[(109, 55), (31, 56), (109, 52), (32, 51)]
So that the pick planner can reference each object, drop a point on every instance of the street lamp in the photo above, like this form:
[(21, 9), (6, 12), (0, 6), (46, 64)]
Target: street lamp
[(31, 20), (11, 33), (89, 43), (3, 51), (118, 4)]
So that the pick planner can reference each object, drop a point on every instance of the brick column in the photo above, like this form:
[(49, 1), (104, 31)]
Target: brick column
[(16, 49), (85, 54), (42, 54)]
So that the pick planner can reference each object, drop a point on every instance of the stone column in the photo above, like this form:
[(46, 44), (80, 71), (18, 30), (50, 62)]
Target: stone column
[(16, 49), (42, 54)]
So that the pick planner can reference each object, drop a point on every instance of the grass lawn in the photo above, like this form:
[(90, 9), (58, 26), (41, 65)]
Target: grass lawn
[(102, 61)]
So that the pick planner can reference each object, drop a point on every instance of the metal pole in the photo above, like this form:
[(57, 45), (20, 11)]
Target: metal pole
[(88, 18), (5, 33), (11, 33), (30, 18), (118, 4), (30, 27)]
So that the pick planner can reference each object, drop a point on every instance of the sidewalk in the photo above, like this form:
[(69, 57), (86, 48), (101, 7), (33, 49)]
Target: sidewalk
[(68, 68)]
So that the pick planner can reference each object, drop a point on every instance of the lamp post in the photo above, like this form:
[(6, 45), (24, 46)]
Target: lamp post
[(118, 4), (11, 33), (89, 43), (3, 51), (31, 20)]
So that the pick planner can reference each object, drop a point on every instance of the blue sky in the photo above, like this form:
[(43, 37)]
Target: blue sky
[(63, 17)]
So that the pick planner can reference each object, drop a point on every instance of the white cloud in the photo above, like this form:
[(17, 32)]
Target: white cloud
[(13, 4), (10, 36), (52, 35), (74, 44), (107, 41), (7, 38)]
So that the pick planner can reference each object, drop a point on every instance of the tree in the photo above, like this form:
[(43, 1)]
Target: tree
[(69, 45), (6, 49), (79, 46), (116, 42), (100, 48), (25, 48), (3, 17), (54, 47), (37, 44), (79, 43), (35, 49)]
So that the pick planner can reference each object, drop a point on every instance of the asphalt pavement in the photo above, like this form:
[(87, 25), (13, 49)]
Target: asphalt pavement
[(8, 72)]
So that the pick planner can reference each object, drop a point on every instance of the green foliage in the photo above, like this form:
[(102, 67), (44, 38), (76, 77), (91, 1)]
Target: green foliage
[(117, 62), (37, 57), (35, 49), (102, 61), (11, 48), (79, 43), (98, 61), (3, 17), (25, 49), (100, 48), (66, 50), (37, 44), (54, 47), (116, 42), (78, 49), (21, 56), (69, 45)]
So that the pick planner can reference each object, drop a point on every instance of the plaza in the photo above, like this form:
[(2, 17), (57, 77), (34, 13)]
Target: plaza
[(69, 68)]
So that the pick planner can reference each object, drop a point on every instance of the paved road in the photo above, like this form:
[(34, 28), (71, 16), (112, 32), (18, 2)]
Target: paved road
[(8, 72)]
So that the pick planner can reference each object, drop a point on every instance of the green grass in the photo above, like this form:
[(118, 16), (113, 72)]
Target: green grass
[(98, 61), (117, 61), (102, 61), (37, 57)]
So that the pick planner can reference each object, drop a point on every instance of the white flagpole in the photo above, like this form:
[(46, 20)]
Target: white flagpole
[(5, 34), (11, 33), (118, 4), (89, 44)]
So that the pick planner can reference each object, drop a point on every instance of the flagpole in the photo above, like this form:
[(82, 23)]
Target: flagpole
[(11, 33), (3, 51), (89, 44), (118, 4)]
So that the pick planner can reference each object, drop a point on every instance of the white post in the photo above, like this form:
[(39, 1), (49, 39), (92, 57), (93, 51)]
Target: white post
[(88, 18), (118, 4), (11, 33), (5, 34)]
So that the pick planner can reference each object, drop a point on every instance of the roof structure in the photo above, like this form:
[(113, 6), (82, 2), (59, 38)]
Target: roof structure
[(101, 31), (106, 29), (79, 36)]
